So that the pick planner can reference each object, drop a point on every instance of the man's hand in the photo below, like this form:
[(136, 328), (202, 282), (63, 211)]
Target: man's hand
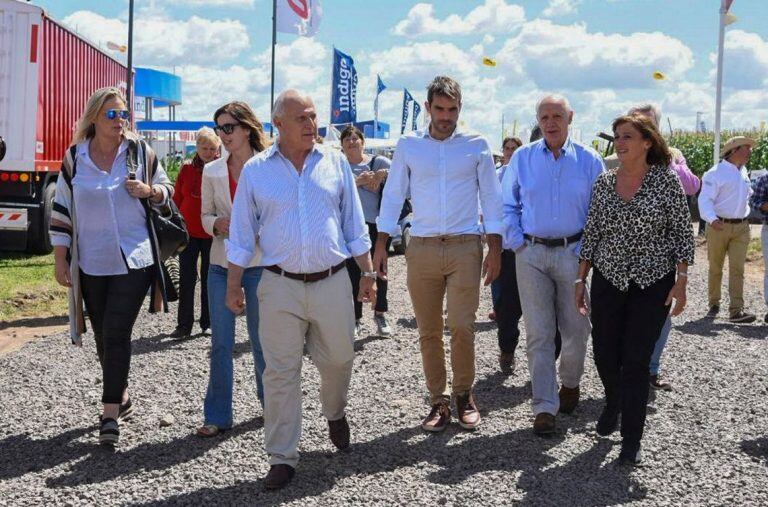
[(367, 292), (235, 300), (380, 256), (221, 226), (717, 225), (492, 262)]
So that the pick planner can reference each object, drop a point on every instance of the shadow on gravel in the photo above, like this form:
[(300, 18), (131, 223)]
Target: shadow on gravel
[(102, 465), (757, 448), (35, 322), (407, 323), (162, 342), (458, 456), (711, 329), (34, 455), (361, 343)]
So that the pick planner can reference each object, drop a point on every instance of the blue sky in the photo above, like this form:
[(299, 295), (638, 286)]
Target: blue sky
[(599, 53)]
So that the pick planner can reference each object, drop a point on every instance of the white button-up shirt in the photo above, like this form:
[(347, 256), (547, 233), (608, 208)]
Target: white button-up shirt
[(304, 222), (444, 179), (725, 192)]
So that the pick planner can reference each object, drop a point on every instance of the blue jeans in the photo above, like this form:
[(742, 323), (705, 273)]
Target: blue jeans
[(660, 344), (218, 398)]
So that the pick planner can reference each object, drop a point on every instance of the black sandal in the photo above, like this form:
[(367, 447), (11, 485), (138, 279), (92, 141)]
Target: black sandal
[(109, 432)]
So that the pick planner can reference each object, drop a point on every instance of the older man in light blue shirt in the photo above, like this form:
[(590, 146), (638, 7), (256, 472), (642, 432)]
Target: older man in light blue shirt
[(546, 191)]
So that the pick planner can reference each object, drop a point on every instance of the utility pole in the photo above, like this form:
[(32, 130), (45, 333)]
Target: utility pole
[(129, 71)]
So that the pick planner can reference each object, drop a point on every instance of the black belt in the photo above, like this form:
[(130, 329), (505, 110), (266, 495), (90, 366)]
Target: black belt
[(306, 277), (732, 220), (553, 242)]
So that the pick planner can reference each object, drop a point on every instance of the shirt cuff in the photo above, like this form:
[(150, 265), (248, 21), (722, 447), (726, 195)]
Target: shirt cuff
[(387, 227), (238, 256), (494, 227), (359, 246), (61, 240)]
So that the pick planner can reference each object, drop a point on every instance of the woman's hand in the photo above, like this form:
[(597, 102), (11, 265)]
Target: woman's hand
[(61, 271), (138, 189), (580, 293), (221, 226), (678, 293)]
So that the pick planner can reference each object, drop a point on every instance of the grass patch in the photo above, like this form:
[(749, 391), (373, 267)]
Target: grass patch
[(755, 249), (28, 287)]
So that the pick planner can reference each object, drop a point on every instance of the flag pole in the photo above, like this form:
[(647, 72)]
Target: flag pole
[(719, 99), (129, 70), (376, 110), (272, 85)]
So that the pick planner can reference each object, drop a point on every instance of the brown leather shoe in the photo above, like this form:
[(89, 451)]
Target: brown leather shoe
[(339, 432), (279, 476), (569, 398), (438, 418), (507, 362), (466, 411), (544, 424)]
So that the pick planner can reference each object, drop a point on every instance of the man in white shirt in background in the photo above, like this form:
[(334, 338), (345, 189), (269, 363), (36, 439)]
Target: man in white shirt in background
[(445, 170), (724, 204), (298, 201)]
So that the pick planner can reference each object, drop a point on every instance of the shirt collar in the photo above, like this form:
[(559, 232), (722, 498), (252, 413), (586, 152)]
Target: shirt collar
[(456, 132), (730, 165), (567, 146), (275, 149), (83, 149)]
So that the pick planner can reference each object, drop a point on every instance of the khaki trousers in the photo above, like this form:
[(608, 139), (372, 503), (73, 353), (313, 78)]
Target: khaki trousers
[(437, 264), (290, 312), (732, 240)]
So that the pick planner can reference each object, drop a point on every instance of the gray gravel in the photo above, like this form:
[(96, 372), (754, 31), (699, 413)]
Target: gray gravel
[(706, 442)]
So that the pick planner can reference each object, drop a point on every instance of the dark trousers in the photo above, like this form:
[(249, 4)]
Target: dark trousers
[(354, 275), (507, 307), (625, 327), (197, 248), (113, 303)]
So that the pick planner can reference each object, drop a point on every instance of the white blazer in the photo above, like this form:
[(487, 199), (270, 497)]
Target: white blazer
[(217, 203)]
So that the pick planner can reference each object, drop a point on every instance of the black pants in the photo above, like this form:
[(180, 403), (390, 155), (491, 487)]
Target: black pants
[(354, 275), (197, 248), (508, 310), (625, 327), (113, 303)]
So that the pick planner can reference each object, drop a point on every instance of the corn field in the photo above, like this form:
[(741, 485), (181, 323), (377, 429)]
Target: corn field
[(697, 148)]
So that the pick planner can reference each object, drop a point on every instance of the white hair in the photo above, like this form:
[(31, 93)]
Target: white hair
[(556, 98), (207, 134), (645, 108), (279, 106)]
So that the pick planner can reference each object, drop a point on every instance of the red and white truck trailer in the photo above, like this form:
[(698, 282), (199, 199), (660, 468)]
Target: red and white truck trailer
[(47, 74)]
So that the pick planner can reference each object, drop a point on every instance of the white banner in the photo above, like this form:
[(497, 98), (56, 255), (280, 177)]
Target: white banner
[(300, 17)]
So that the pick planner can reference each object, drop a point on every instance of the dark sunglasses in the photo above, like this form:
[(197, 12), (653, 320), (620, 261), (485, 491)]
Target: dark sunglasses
[(227, 128), (111, 114)]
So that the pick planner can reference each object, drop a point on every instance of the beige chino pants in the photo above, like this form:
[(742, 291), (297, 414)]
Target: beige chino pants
[(437, 264), (290, 312), (732, 240)]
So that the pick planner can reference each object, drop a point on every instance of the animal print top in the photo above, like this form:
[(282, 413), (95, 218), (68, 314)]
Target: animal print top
[(641, 240)]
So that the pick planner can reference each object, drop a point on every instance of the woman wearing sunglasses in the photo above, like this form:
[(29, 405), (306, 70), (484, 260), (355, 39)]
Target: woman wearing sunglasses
[(242, 137), (110, 265)]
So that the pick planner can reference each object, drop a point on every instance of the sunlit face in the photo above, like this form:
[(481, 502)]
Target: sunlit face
[(353, 146), (553, 119), (508, 149), (741, 155), (237, 139), (206, 150), (444, 113), (106, 128), (630, 144), (298, 123)]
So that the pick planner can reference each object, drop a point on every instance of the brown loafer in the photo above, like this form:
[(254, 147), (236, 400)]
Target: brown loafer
[(658, 383), (339, 432), (466, 411), (569, 398), (279, 476), (438, 418), (544, 424), (507, 362)]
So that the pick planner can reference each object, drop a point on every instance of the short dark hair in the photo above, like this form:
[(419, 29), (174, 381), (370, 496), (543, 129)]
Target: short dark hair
[(351, 130), (516, 140), (445, 86), (658, 154), (535, 134), (247, 119)]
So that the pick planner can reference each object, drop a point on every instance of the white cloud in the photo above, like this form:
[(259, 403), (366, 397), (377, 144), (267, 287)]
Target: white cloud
[(166, 42), (560, 8), (745, 61), (213, 3), (494, 16)]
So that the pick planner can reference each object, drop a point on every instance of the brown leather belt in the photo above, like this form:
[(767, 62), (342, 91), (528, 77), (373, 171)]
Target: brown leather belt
[(732, 220), (306, 277), (553, 242)]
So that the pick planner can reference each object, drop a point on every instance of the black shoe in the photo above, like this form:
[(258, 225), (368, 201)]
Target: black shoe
[(339, 432), (741, 317), (713, 311), (126, 410), (766, 318), (607, 422), (109, 432), (279, 476), (180, 333), (630, 454)]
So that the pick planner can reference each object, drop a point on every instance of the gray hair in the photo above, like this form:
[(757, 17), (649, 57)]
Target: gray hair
[(647, 109), (554, 97), (279, 106)]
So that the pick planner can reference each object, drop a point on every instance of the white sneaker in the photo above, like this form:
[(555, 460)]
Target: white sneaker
[(382, 324)]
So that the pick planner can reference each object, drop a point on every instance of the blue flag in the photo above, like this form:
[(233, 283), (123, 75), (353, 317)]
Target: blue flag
[(344, 90), (380, 86), (407, 99), (416, 111)]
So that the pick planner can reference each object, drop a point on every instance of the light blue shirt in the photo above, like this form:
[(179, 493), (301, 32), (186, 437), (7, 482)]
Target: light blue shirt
[(548, 198), (445, 179), (304, 222)]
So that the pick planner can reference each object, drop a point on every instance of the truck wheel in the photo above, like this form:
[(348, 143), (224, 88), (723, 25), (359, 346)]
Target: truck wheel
[(39, 240)]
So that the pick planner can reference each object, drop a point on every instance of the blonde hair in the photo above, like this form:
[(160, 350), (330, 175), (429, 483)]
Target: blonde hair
[(207, 134), (85, 124)]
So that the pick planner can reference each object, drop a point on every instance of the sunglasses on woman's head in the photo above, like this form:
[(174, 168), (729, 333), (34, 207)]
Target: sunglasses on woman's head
[(227, 128), (111, 114)]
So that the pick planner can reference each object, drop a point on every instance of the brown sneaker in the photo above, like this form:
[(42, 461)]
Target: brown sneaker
[(466, 411), (438, 417), (658, 383), (569, 398), (279, 476), (507, 362), (339, 432), (544, 424)]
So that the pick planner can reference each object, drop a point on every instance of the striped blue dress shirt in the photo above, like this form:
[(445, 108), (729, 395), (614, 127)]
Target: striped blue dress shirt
[(305, 222)]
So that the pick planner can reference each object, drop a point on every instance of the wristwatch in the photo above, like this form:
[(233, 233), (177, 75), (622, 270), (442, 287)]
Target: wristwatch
[(370, 274)]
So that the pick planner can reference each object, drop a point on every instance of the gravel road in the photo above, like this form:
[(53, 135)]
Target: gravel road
[(706, 442)]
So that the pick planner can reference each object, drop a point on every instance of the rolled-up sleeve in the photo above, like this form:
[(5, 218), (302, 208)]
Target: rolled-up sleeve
[(512, 207), (244, 224), (689, 181), (490, 193), (352, 219), (707, 197), (395, 192)]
